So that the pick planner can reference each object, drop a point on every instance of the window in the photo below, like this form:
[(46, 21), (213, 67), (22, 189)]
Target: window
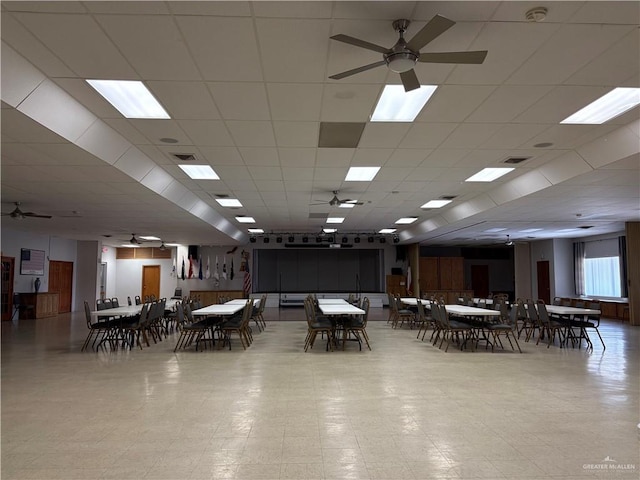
[(602, 276)]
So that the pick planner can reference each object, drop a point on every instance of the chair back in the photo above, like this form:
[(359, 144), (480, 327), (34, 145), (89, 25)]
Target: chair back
[(129, 301), (543, 315), (531, 312), (365, 307), (87, 313), (100, 305), (482, 303), (144, 314), (115, 303), (180, 314)]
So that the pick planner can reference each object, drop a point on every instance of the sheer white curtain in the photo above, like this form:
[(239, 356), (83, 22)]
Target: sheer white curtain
[(602, 276)]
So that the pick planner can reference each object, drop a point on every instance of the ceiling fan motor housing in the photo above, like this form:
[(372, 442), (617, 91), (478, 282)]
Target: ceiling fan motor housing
[(401, 61)]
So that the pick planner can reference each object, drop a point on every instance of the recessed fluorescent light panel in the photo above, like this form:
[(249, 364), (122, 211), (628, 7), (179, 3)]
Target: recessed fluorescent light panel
[(335, 219), (609, 106), (495, 230), (130, 97), (530, 230), (406, 220), (387, 230), (436, 203), (128, 245), (488, 174), (396, 105), (245, 219), (361, 174), (171, 244), (200, 172), (329, 230), (347, 205), (229, 202), (148, 237), (255, 230)]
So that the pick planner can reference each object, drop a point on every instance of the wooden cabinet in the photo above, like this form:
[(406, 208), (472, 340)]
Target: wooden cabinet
[(211, 297), (38, 305), (441, 273), (397, 285), (429, 274)]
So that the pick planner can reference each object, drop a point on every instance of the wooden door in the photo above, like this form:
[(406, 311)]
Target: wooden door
[(61, 282), (480, 280), (544, 285), (7, 287), (429, 274), (150, 280)]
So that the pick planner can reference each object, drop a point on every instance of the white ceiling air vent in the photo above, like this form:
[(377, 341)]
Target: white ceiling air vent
[(185, 157)]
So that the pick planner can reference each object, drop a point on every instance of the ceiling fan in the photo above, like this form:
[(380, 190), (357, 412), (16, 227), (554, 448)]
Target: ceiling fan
[(335, 201), (402, 57), (17, 213)]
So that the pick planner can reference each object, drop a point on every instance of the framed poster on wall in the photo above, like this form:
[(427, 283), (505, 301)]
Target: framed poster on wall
[(31, 262)]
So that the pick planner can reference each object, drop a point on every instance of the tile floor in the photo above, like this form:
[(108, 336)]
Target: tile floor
[(405, 410)]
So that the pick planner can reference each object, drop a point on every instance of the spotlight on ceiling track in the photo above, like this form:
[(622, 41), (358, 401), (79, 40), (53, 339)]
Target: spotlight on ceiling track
[(291, 239), (356, 240), (278, 239), (345, 239), (305, 239), (252, 239), (370, 239), (396, 239), (265, 239), (383, 240), (318, 239)]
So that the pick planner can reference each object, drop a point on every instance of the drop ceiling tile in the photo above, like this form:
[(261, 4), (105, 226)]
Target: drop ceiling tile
[(483, 158), (470, 135), (345, 102), (296, 134), (334, 157), (185, 100), (152, 44), (125, 128), (297, 157), (299, 38), (566, 52), (61, 33), (292, 174), (227, 173), (298, 185), (261, 174), (252, 134), (512, 136), (393, 174), (310, 9), (128, 8), (427, 135), (270, 186), (204, 33), (240, 101), (295, 101), (222, 156), (507, 102), (454, 103), (154, 130), (444, 157), (559, 103), (509, 45), (373, 10), (407, 157), (329, 174), (15, 34), (259, 156), (371, 157), (603, 13), (383, 135)]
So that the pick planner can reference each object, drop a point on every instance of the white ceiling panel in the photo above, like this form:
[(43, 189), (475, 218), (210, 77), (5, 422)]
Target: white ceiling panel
[(454, 103), (185, 100), (252, 134), (200, 132), (297, 157), (292, 102), (427, 135), (241, 101), (296, 134), (260, 156)]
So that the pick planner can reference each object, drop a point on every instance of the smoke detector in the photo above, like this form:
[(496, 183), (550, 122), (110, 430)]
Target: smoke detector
[(537, 14)]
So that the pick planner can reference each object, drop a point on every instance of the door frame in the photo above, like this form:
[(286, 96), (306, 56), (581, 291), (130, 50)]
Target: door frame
[(546, 295)]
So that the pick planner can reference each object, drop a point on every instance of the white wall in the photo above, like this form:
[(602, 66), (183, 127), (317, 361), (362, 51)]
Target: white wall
[(564, 281), (54, 249), (86, 273), (128, 278)]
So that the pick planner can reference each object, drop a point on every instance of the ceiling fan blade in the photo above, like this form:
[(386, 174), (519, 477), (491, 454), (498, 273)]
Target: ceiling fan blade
[(33, 215), (475, 57), (364, 68), (436, 27), (359, 43), (409, 80)]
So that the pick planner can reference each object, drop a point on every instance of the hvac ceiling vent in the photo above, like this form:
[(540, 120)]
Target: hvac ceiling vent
[(185, 157), (318, 215), (448, 197), (222, 195), (516, 160), (586, 227)]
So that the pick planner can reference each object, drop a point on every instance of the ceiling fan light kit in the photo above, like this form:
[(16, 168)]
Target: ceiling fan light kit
[(402, 57)]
